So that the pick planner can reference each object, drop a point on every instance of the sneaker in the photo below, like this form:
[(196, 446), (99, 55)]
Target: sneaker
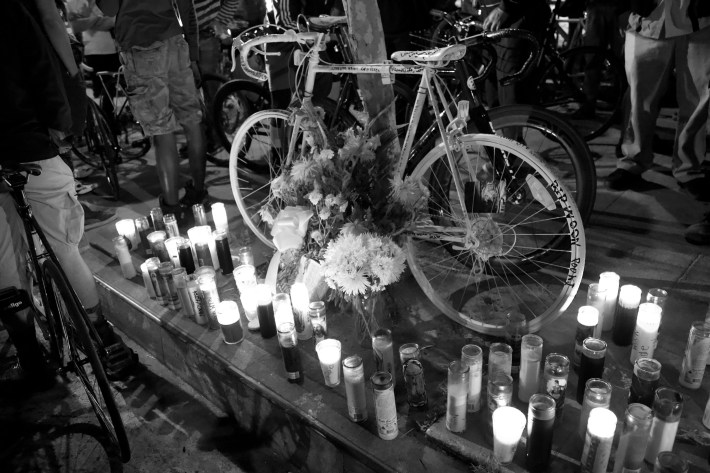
[(97, 217), (699, 233), (118, 359), (621, 180), (699, 188), (191, 197)]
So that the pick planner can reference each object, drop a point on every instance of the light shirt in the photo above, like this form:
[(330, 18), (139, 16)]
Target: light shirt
[(668, 20)]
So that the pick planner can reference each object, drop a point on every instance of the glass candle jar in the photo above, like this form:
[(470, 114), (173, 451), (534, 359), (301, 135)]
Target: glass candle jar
[(413, 372), (289, 351), (300, 300), (319, 322), (354, 378), (515, 327), (157, 244), (146, 280), (408, 351), (696, 355), (597, 441), (587, 321), (645, 336), (457, 395), (167, 286), (186, 256), (500, 358), (633, 439), (626, 313), (127, 228), (224, 254), (669, 462), (219, 217), (210, 299), (180, 279), (609, 283), (198, 212), (171, 225), (156, 216), (282, 308), (596, 297), (508, 425), (172, 244), (530, 360), (120, 246), (555, 376), (143, 228), (230, 322), (385, 406), (265, 311), (472, 356), (383, 351), (500, 391), (644, 381), (592, 366), (667, 409), (597, 393), (541, 421)]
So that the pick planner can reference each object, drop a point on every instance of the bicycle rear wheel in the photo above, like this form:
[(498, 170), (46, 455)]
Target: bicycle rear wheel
[(556, 143), (587, 88), (513, 244), (79, 353)]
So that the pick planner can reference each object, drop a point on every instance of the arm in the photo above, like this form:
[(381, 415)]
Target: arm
[(189, 27), (93, 22), (288, 12), (57, 34)]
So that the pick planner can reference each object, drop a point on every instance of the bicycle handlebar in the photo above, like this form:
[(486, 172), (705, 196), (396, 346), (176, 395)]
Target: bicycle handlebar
[(245, 47), (486, 39)]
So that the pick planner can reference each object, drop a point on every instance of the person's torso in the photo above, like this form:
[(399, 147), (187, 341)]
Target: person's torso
[(142, 23), (668, 18)]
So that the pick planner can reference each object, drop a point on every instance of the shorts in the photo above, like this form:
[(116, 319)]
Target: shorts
[(55, 205), (160, 86)]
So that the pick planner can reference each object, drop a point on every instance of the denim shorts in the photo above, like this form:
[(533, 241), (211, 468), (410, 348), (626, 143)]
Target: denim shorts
[(160, 86)]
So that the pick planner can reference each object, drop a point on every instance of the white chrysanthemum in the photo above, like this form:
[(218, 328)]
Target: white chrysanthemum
[(304, 170), (325, 155), (409, 192), (277, 186), (330, 200), (266, 216), (317, 236), (315, 196), (324, 213)]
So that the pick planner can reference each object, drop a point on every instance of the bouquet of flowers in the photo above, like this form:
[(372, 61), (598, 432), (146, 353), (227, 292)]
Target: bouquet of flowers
[(359, 211)]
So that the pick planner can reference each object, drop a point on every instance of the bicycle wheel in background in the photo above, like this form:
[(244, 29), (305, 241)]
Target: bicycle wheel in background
[(79, 353), (233, 103), (99, 148), (556, 143), (514, 244), (208, 90), (586, 88), (132, 141)]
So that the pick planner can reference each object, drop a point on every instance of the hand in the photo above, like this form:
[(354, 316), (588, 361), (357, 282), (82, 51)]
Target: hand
[(495, 19), (61, 140), (196, 75)]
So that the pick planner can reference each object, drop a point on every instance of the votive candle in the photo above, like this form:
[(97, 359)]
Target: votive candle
[(127, 228), (508, 425), (596, 297), (530, 361), (282, 308), (645, 336), (626, 313), (172, 244), (597, 441), (587, 321), (219, 216), (609, 283), (299, 301)]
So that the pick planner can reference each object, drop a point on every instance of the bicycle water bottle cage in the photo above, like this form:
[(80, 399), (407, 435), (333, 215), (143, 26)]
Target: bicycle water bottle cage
[(13, 300), (438, 57)]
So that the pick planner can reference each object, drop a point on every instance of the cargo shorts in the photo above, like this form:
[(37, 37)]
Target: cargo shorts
[(160, 86)]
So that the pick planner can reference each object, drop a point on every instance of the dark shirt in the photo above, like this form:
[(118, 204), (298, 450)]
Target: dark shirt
[(32, 97), (144, 22)]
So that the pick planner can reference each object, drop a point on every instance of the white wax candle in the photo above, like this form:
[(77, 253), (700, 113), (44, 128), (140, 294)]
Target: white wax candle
[(147, 282), (127, 228), (609, 281), (219, 216), (196, 235), (171, 244), (597, 442), (300, 301), (508, 425), (213, 247), (646, 331), (328, 352)]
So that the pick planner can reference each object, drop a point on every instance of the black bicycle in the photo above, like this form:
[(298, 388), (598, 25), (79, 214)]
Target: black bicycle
[(67, 336)]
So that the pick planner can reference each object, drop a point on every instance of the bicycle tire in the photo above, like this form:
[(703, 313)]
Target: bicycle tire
[(521, 263), (132, 141), (79, 349), (556, 143), (233, 103), (562, 90), (100, 147)]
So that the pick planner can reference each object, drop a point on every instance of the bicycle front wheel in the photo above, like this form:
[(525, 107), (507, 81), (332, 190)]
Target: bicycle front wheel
[(586, 87), (513, 240), (556, 143), (79, 352)]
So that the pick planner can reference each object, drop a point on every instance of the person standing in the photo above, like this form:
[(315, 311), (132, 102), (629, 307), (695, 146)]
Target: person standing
[(661, 35), (159, 51)]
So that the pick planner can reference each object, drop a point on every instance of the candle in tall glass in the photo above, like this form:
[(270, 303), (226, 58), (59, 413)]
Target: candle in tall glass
[(157, 244), (143, 228), (385, 405), (230, 321), (609, 283), (659, 297), (667, 409), (696, 355), (500, 358), (319, 322), (555, 375), (413, 373), (213, 246), (598, 440), (587, 321), (516, 326), (251, 310), (300, 301), (597, 393), (508, 425), (172, 244), (646, 332), (596, 297), (530, 359), (644, 381), (633, 439), (146, 280), (185, 256), (156, 216), (265, 311), (541, 421), (472, 356), (198, 212), (328, 352), (354, 377), (457, 396), (219, 217), (152, 265), (244, 278), (383, 351), (120, 246), (289, 350), (171, 225), (127, 228), (180, 278), (210, 298), (224, 255), (625, 315), (282, 308), (592, 365)]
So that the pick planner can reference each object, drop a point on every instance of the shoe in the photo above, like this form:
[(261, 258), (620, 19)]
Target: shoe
[(96, 218), (699, 188), (621, 180), (117, 358), (191, 197), (82, 189), (83, 172), (699, 233)]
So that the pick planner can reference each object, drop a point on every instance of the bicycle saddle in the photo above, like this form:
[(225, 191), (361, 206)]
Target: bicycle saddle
[(323, 23), (30, 168), (438, 56)]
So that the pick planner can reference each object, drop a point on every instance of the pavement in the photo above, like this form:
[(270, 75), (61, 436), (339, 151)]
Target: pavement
[(638, 234)]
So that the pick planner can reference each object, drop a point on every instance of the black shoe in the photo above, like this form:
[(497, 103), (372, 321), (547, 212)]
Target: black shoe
[(699, 188), (117, 358), (193, 197), (699, 233), (621, 180)]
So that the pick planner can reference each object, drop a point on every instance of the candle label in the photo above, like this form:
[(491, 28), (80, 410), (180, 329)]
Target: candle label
[(386, 413), (456, 413), (556, 387), (694, 362), (595, 457)]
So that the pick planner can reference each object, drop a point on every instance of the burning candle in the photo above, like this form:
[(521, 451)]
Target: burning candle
[(199, 237), (646, 331), (626, 313), (587, 321), (597, 442), (127, 228), (171, 225), (198, 211), (609, 283), (185, 256), (219, 216), (212, 245), (596, 297), (282, 309), (172, 244), (300, 301), (224, 255), (230, 321), (250, 305), (124, 257), (329, 357), (157, 244), (146, 280), (508, 425)]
